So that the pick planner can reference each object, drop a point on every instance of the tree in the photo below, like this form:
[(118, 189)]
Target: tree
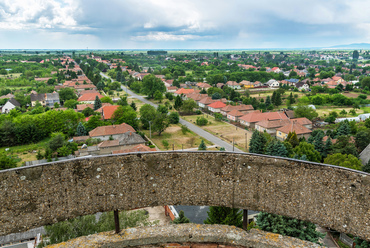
[(125, 114), (344, 160), (67, 94), (344, 146), (307, 149), (276, 148), (224, 216), (81, 130), (292, 139), (216, 95), (305, 111), (151, 84), (355, 54), (268, 101), (56, 141), (162, 109), (257, 143), (158, 96), (201, 121), (7, 162), (291, 98), (286, 226), (160, 122), (181, 219), (366, 167), (362, 139), (174, 117), (70, 104), (365, 82), (178, 102), (106, 99), (133, 106), (278, 101), (88, 112), (202, 146), (97, 103), (147, 113), (188, 106), (361, 243), (328, 149)]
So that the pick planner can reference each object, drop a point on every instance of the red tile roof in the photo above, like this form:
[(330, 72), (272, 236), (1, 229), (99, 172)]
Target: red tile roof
[(138, 148), (294, 127), (89, 97), (111, 130), (217, 105), (258, 116), (107, 111), (235, 113), (184, 91)]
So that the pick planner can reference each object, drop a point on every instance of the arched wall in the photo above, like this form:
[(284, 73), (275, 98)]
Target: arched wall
[(330, 196)]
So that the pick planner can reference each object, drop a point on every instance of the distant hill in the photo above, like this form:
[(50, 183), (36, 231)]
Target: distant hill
[(353, 46)]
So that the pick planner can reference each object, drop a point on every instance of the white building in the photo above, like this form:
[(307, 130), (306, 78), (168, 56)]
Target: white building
[(9, 105)]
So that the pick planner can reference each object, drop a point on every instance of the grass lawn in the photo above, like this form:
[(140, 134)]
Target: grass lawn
[(224, 130), (174, 136), (11, 75), (25, 152), (325, 110), (189, 72)]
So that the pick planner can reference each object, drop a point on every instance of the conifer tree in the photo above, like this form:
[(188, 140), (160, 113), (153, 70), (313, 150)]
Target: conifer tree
[(268, 101), (273, 97), (276, 148), (257, 143), (202, 146), (366, 167), (328, 149), (225, 216), (181, 219), (293, 139), (81, 130), (291, 98), (178, 102), (278, 101), (97, 103), (344, 129), (133, 106), (289, 227), (319, 145)]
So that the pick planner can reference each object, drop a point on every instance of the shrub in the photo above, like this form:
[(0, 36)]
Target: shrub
[(165, 144), (184, 129), (174, 117), (201, 121)]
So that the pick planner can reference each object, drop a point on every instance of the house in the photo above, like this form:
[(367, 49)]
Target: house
[(183, 91), (8, 96), (204, 86), (46, 100), (270, 126), (272, 83), (220, 85), (203, 103), (137, 148), (124, 141), (234, 85), (246, 84), (241, 108), (81, 107), (304, 122), (89, 98), (105, 132), (302, 86), (250, 119), (234, 115), (107, 111), (216, 106), (9, 105), (294, 126)]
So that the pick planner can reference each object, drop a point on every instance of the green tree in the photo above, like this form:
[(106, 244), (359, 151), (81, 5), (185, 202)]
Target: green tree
[(201, 121), (366, 167), (88, 112), (97, 103), (125, 114), (160, 122), (188, 106), (181, 219), (355, 54), (344, 146), (278, 101), (286, 226), (106, 99), (224, 216), (276, 148), (133, 106), (361, 243), (158, 96), (328, 149), (344, 160), (67, 94), (70, 104), (305, 111), (307, 149), (362, 139), (268, 101), (151, 84), (56, 141), (257, 143), (174, 117), (178, 102), (365, 82), (202, 146), (292, 139), (147, 113), (81, 130)]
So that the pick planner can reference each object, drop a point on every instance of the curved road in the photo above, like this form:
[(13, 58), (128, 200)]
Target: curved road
[(215, 140)]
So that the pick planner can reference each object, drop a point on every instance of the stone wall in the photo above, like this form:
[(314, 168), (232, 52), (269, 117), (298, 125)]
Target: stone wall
[(189, 235), (330, 196)]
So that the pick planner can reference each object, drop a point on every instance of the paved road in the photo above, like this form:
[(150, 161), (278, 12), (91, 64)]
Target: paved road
[(215, 140)]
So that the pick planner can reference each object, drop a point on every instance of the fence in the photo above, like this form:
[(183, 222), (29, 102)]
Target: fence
[(36, 162), (345, 239)]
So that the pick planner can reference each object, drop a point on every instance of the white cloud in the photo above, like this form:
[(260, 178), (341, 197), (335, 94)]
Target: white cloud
[(162, 36)]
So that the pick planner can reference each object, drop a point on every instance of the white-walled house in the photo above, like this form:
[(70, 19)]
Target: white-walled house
[(272, 83), (9, 105)]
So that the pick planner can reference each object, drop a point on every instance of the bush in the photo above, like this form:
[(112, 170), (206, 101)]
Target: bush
[(174, 117), (218, 117), (201, 121), (165, 144), (184, 129), (198, 112)]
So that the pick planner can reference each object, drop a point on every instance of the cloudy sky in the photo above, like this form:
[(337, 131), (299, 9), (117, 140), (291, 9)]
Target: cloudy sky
[(182, 24)]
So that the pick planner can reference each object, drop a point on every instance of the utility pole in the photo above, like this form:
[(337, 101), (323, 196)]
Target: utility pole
[(233, 144)]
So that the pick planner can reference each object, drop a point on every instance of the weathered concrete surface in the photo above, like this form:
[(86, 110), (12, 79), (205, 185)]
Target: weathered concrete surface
[(333, 197), (193, 233)]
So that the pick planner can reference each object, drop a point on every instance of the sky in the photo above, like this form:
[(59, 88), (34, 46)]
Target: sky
[(182, 24)]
